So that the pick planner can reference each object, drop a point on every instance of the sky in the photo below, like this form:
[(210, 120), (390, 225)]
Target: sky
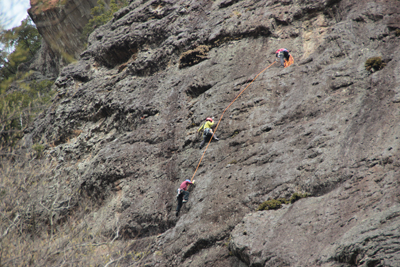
[(12, 12)]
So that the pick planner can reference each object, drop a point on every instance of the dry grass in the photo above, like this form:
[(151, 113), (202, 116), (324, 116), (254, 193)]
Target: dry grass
[(42, 225), (194, 56)]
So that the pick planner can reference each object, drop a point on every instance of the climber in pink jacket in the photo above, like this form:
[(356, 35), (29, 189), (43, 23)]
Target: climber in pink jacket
[(183, 194)]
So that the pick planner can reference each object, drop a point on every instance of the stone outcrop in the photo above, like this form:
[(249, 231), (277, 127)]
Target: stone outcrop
[(122, 131), (61, 23)]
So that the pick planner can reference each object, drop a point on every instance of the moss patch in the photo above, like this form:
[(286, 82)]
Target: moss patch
[(374, 64)]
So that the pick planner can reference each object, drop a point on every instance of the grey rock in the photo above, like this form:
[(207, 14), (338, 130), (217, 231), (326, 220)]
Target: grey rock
[(126, 116)]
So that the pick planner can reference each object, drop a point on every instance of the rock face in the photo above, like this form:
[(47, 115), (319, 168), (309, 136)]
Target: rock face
[(122, 131), (61, 23)]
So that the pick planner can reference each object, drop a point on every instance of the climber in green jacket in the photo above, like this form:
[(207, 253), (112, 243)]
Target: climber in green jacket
[(207, 131)]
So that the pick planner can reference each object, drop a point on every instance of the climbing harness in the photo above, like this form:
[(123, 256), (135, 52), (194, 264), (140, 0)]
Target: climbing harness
[(208, 132), (230, 105)]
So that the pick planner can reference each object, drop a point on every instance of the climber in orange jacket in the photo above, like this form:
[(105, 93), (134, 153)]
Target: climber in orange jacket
[(207, 131)]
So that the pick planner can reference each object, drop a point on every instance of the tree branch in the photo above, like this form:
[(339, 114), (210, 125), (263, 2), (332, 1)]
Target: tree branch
[(9, 227)]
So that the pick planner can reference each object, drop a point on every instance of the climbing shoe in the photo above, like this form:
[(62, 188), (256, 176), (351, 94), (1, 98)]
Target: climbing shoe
[(184, 201)]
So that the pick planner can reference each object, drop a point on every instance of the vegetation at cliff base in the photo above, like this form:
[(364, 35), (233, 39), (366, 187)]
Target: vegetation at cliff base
[(20, 100), (17, 45), (19, 107), (35, 228)]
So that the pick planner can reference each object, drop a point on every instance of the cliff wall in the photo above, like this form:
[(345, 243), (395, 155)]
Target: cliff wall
[(121, 134)]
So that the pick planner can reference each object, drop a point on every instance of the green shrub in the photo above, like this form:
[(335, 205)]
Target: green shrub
[(296, 196), (374, 64), (275, 204), (397, 32), (272, 204), (283, 200), (38, 148)]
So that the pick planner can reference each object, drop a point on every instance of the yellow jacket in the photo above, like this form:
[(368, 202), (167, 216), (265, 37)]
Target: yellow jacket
[(206, 125)]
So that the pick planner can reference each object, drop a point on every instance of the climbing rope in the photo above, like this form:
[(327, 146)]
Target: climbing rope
[(223, 115)]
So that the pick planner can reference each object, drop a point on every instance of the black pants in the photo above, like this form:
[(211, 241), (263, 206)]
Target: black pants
[(283, 55), (184, 195), (206, 139)]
